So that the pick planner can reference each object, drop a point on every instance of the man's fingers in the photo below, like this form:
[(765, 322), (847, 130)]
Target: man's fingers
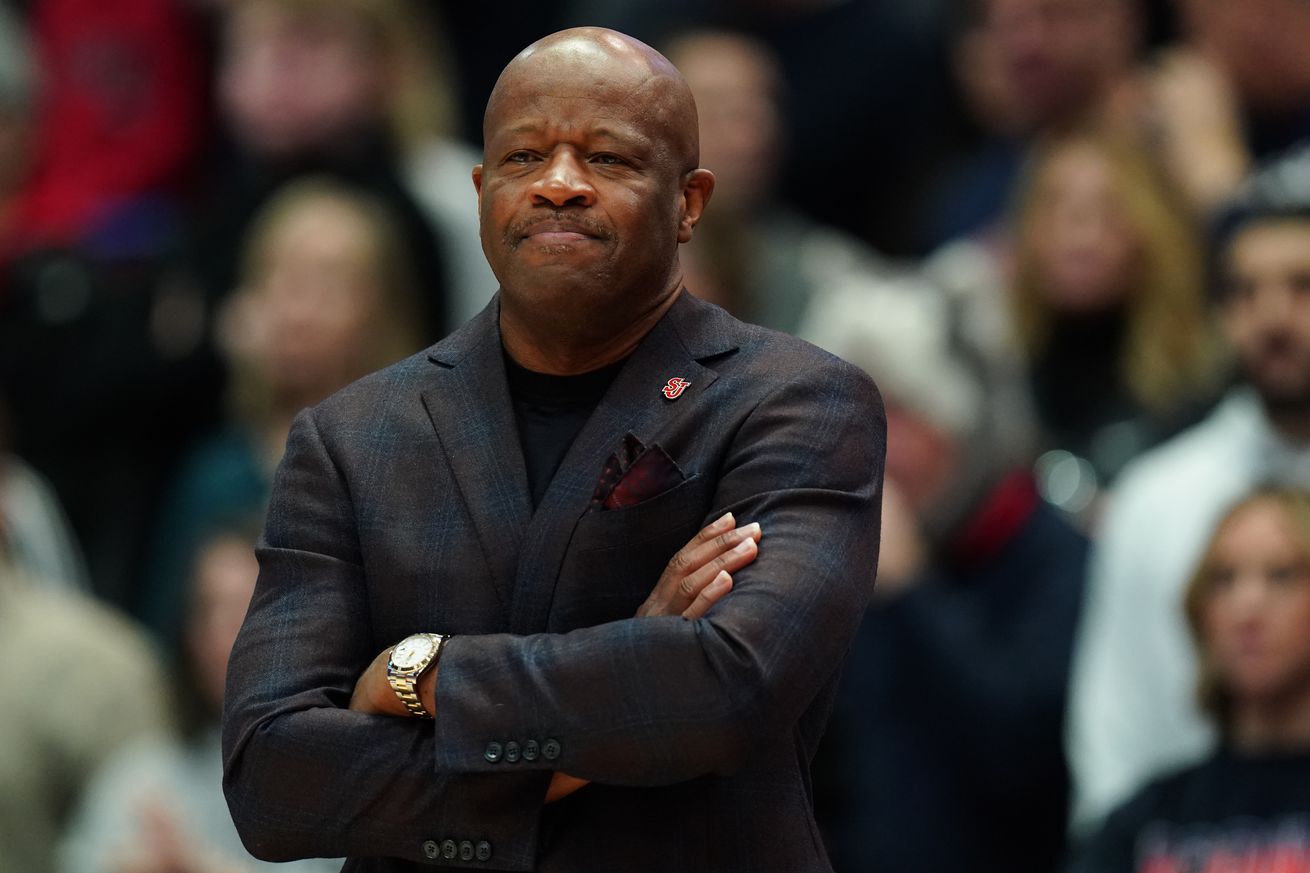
[(693, 585), (719, 547), (709, 595), (699, 555), (683, 558)]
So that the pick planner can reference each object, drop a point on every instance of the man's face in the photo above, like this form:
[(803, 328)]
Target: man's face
[(1057, 55), (1267, 309), (583, 193)]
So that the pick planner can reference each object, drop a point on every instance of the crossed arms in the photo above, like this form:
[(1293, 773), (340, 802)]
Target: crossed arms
[(652, 700)]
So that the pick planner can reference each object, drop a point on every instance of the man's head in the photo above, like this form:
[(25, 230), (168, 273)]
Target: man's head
[(589, 182), (1266, 306), (738, 88), (1056, 59)]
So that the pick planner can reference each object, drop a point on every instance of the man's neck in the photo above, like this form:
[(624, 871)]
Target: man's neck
[(548, 348)]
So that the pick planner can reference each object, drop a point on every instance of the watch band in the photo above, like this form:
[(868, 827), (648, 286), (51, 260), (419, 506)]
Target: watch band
[(406, 686)]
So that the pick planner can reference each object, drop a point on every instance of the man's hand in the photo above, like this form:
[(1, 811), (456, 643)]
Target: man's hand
[(700, 573), (374, 695)]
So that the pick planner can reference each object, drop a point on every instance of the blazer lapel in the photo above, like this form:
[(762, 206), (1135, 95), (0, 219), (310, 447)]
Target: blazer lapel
[(468, 403), (635, 403)]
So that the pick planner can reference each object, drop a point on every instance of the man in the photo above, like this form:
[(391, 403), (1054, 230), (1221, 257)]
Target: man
[(1132, 709), (521, 488)]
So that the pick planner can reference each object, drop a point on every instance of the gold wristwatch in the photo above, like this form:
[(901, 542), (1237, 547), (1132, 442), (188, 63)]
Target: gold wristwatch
[(410, 659)]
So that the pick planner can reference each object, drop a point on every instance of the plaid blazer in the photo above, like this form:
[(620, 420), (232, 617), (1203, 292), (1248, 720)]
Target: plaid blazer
[(401, 505)]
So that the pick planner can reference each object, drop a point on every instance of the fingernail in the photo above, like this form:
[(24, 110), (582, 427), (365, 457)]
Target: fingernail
[(721, 581), (744, 546), (753, 527), (724, 521)]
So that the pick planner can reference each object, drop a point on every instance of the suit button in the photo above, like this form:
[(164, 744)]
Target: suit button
[(431, 850), (466, 851), (493, 752), (550, 749), (511, 752), (530, 750), (449, 850), (483, 851)]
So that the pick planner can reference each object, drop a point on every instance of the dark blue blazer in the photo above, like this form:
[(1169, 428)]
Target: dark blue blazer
[(402, 505)]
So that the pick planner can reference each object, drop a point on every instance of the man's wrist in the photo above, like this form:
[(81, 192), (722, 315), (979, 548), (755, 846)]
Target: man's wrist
[(409, 665)]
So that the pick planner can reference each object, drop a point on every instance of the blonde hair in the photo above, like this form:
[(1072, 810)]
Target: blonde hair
[(395, 328), (405, 38), (1212, 694), (1171, 352)]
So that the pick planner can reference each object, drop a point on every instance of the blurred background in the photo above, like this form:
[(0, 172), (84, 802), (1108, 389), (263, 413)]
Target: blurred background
[(1070, 239)]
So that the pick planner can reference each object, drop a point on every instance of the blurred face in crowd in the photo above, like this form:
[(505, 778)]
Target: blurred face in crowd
[(588, 183), (1266, 310), (224, 582), (310, 309), (1254, 612), (921, 457), (292, 81), (736, 83), (1084, 248), (1261, 43), (1058, 56)]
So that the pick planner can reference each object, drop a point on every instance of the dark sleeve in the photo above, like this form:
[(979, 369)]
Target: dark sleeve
[(304, 776), (658, 701), (997, 658)]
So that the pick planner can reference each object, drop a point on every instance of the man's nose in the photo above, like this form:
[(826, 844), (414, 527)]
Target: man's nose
[(563, 182)]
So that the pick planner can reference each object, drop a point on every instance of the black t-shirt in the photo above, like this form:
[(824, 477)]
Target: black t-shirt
[(1235, 812), (550, 411)]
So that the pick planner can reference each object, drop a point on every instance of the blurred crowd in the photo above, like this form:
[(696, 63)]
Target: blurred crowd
[(1070, 240)]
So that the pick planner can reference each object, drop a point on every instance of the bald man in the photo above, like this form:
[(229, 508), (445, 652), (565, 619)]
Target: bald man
[(570, 590)]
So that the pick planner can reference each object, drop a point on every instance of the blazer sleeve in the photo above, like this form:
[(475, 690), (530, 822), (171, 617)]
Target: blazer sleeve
[(303, 775), (660, 700)]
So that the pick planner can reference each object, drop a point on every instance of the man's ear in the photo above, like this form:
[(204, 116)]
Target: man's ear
[(477, 184), (697, 187)]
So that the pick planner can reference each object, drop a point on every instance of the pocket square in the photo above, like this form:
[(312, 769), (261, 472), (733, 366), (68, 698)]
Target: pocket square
[(635, 473)]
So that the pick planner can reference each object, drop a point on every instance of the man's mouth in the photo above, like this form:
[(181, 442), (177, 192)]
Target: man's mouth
[(557, 237), (557, 232)]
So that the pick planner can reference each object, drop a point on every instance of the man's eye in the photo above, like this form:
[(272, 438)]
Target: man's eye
[(518, 157), (606, 158)]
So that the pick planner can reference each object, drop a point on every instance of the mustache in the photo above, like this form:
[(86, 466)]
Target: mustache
[(555, 220)]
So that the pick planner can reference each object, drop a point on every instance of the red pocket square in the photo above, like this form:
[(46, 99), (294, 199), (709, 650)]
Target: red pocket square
[(640, 474)]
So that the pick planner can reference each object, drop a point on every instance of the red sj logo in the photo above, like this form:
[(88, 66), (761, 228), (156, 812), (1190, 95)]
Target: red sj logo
[(675, 387)]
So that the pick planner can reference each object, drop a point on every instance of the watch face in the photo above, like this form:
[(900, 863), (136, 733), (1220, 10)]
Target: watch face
[(411, 651)]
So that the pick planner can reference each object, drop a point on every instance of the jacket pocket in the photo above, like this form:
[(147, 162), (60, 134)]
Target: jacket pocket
[(616, 556)]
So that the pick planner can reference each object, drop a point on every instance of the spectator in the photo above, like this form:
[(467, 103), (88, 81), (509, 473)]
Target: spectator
[(118, 124), (99, 124), (79, 683), (1131, 711), (1029, 69), (326, 296), (1236, 90), (751, 254), (329, 87), (1247, 807), (1108, 301), (944, 748), (157, 806)]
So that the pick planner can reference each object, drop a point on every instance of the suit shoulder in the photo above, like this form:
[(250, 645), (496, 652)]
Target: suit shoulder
[(362, 399), (791, 360)]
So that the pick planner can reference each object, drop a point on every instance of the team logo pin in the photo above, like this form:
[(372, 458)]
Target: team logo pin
[(673, 390)]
